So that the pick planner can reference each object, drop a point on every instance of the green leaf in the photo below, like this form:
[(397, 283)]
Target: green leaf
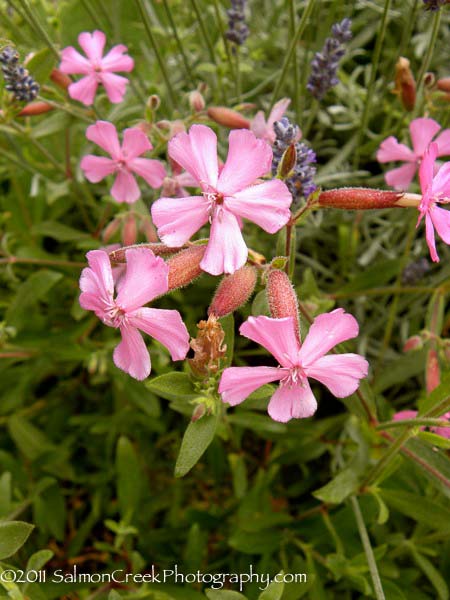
[(59, 231), (224, 595), (400, 370), (339, 488), (437, 402), (173, 386), (274, 591), (41, 64), (417, 507), (129, 477), (39, 559), (433, 575), (196, 439), (13, 535), (30, 440)]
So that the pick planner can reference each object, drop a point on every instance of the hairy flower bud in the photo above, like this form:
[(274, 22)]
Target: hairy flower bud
[(196, 101), (110, 230), (415, 342), (358, 198), (433, 371), (444, 84), (129, 231), (184, 267), (153, 102), (228, 117), (158, 249), (60, 79), (405, 85), (36, 108), (281, 296), (233, 291), (148, 229)]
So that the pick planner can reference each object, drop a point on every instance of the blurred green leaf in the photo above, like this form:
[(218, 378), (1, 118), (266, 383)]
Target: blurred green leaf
[(13, 535), (173, 386), (196, 439), (129, 476)]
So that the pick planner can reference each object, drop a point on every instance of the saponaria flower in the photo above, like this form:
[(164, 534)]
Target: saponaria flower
[(340, 373), (18, 81), (125, 160), (96, 68), (264, 129), (146, 277), (227, 196)]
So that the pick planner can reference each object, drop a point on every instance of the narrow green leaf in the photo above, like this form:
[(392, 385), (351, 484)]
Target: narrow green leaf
[(438, 401), (39, 559), (339, 488), (13, 535), (173, 386), (419, 508), (30, 440), (274, 591), (129, 476), (433, 575), (196, 439)]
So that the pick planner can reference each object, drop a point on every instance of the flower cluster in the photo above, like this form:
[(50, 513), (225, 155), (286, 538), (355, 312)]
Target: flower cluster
[(18, 81), (300, 182), (325, 63), (237, 29)]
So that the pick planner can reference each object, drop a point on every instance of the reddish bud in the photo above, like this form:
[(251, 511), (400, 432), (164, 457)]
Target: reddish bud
[(35, 108), (433, 371), (110, 230), (444, 84), (119, 256), (149, 230), (129, 231), (287, 162), (228, 117), (405, 85), (61, 79), (281, 296), (413, 343), (184, 267), (358, 198), (233, 291), (196, 101)]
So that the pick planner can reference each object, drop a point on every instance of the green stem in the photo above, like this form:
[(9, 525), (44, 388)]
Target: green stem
[(187, 68), (292, 19), (287, 59), (427, 59), (205, 35), (392, 451), (378, 588), (33, 21), (148, 27), (238, 73), (373, 77), (425, 422), (226, 42)]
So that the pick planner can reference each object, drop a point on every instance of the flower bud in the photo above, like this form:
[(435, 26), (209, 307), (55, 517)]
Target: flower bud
[(444, 84), (429, 80), (118, 256), (196, 101), (153, 102), (110, 230), (281, 297), (358, 198), (228, 117), (433, 371), (287, 162), (129, 231), (405, 85), (61, 79), (184, 267), (148, 229), (36, 108), (415, 342), (198, 412), (233, 291)]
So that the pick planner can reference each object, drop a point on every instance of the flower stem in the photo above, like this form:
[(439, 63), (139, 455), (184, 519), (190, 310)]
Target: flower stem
[(426, 61), (424, 422), (292, 19), (187, 68), (35, 24), (392, 451)]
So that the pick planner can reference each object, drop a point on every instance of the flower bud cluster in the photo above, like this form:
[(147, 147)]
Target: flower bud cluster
[(237, 29), (18, 81)]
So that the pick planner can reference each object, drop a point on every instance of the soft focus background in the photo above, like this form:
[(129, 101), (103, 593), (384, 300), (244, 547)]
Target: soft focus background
[(87, 454)]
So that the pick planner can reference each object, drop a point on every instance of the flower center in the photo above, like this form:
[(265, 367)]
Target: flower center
[(215, 200), (114, 316), (295, 377)]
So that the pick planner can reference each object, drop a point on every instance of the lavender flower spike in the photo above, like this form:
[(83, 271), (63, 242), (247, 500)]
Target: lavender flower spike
[(300, 183), (434, 4), (18, 81), (237, 29), (325, 64)]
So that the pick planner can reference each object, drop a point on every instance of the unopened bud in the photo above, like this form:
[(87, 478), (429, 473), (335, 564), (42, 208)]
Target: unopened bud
[(281, 297), (153, 102), (149, 230), (415, 342), (196, 101), (184, 267), (129, 231), (118, 256), (198, 413), (287, 162), (433, 371), (444, 84), (228, 117), (233, 291), (36, 108), (429, 80), (110, 230), (61, 79), (405, 85), (358, 198)]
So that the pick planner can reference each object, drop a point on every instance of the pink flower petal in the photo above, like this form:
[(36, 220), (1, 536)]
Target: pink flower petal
[(131, 355), (84, 90), (401, 178), (327, 330), (258, 125), (292, 402), (93, 44), (185, 179), (115, 86), (151, 170), (441, 221), (391, 150), (340, 373), (96, 283), (426, 169), (166, 326), (104, 134), (116, 60), (422, 131), (266, 204), (404, 414), (429, 235), (277, 336), (278, 110), (226, 251), (441, 182), (125, 188), (135, 143), (146, 278), (73, 63), (177, 219), (443, 142), (96, 168), (197, 153), (248, 158), (237, 383)]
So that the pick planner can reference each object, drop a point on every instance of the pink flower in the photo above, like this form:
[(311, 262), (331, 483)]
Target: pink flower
[(340, 373), (124, 161), (412, 414), (96, 68), (435, 189), (226, 197), (146, 278), (176, 184), (264, 129), (422, 132)]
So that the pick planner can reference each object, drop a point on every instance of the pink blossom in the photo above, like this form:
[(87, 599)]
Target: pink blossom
[(264, 129), (226, 197), (96, 68), (124, 161), (412, 414), (146, 278), (435, 189), (340, 373), (422, 132)]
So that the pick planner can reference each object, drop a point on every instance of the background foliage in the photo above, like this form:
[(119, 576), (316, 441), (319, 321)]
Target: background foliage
[(88, 455)]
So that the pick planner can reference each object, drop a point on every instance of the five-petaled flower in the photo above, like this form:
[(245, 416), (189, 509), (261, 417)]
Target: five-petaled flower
[(422, 131), (124, 161), (96, 68), (264, 129), (340, 373), (228, 195), (146, 278), (435, 189)]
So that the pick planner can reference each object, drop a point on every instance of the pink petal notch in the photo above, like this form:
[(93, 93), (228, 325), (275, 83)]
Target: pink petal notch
[(96, 68)]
